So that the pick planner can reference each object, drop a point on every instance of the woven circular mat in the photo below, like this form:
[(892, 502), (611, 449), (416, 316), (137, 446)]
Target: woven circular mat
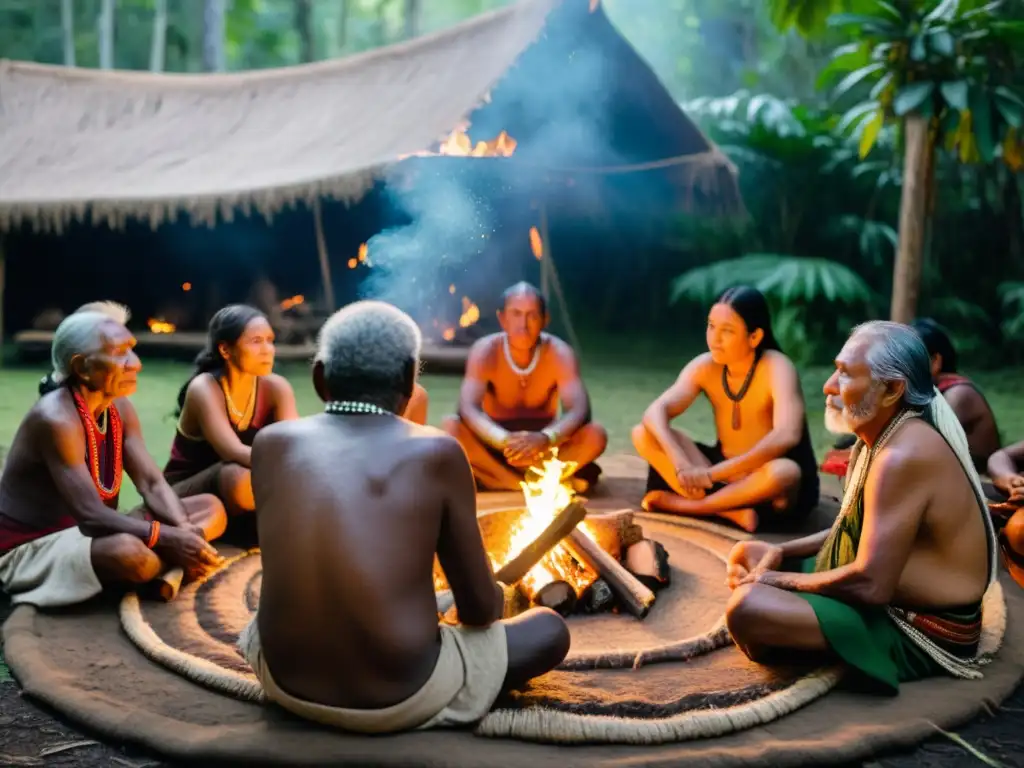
[(675, 690)]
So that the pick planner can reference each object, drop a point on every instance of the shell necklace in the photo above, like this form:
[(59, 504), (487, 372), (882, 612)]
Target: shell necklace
[(352, 407), (522, 373)]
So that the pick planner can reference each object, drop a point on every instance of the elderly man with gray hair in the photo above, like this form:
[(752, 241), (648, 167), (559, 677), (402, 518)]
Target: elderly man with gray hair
[(895, 588), (352, 506), (62, 539)]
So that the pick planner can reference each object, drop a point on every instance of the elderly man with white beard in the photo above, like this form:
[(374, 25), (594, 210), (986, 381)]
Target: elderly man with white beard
[(894, 589)]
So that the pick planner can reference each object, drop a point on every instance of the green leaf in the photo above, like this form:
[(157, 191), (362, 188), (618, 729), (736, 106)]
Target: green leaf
[(855, 114), (911, 97), (1012, 112), (845, 58), (870, 134), (941, 41), (890, 10), (855, 77), (882, 84), (918, 50), (868, 24), (945, 10), (981, 124), (955, 94)]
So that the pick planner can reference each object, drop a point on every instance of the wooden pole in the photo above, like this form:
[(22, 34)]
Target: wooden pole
[(631, 592), (325, 264), (549, 278), (545, 255), (3, 271), (557, 530), (906, 283)]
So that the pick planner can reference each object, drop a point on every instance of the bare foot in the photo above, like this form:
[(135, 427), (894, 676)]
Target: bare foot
[(744, 518)]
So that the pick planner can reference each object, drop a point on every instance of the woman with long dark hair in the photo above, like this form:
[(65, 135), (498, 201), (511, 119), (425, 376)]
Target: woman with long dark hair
[(230, 396), (761, 471)]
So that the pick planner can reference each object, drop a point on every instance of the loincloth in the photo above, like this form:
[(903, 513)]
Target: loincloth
[(52, 571), (868, 639), (468, 677)]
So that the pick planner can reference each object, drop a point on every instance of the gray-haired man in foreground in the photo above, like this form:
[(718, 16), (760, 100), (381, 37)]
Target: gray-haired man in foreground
[(895, 588), (352, 506), (62, 539)]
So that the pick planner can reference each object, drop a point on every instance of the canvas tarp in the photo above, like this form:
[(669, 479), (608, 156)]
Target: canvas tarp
[(109, 146)]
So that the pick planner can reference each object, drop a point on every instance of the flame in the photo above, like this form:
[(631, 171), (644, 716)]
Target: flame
[(353, 263), (448, 334), (546, 494), (458, 144), (186, 287), (293, 301), (470, 313), (536, 244), (364, 252), (156, 325)]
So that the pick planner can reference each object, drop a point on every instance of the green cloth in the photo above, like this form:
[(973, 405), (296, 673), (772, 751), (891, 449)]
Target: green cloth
[(866, 639)]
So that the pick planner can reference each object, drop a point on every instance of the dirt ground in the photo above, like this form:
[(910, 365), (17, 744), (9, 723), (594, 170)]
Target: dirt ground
[(30, 736)]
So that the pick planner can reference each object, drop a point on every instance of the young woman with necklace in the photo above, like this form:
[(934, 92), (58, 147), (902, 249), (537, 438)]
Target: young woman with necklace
[(231, 395)]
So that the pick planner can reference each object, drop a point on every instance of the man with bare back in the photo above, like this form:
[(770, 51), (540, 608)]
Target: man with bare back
[(61, 538), (352, 506), (895, 587), (762, 471), (508, 406)]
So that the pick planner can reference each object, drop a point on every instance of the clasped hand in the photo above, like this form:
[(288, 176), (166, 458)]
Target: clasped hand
[(695, 481), (1014, 486), (522, 449), (749, 560), (187, 548)]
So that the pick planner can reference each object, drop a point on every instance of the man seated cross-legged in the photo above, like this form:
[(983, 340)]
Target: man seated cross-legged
[(508, 406), (895, 587), (61, 538), (762, 471), (352, 506)]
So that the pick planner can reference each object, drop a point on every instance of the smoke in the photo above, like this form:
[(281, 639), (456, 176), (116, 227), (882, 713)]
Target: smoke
[(468, 218)]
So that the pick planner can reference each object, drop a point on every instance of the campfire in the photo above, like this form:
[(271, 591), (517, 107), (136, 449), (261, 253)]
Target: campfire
[(156, 325), (470, 315), (552, 553)]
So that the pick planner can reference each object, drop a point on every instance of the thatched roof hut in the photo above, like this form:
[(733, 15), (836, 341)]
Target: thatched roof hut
[(105, 146)]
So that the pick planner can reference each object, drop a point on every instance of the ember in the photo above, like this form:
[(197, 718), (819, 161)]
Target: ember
[(293, 301), (156, 325), (536, 244)]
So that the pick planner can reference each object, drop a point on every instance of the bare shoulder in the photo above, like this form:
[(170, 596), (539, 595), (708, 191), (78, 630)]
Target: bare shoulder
[(277, 383), (915, 452), (126, 409), (779, 363), (482, 354), (52, 412), (560, 349), (701, 368), (202, 385), (280, 433)]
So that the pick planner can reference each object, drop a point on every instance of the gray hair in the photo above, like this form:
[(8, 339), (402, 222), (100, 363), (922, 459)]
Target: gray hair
[(80, 333), (119, 313), (896, 353), (368, 350)]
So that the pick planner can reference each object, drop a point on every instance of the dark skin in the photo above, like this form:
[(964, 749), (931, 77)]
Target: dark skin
[(492, 392), (47, 469), (1003, 469), (974, 415), (352, 510), (205, 412), (772, 418), (922, 543)]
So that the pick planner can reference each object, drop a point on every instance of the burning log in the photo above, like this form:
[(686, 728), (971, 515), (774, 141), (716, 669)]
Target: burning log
[(648, 561), (630, 591), (557, 595), (614, 531), (597, 597), (560, 527)]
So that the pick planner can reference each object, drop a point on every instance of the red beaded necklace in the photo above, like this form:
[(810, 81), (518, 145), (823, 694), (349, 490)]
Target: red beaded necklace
[(93, 435)]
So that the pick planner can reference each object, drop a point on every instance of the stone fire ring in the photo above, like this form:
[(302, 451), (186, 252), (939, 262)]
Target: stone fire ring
[(655, 692)]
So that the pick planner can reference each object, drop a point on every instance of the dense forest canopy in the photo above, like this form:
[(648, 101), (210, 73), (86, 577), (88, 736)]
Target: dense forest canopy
[(869, 135)]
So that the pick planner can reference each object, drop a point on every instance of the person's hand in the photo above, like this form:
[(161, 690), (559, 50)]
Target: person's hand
[(695, 481), (748, 560), (1013, 485), (190, 551), (523, 448)]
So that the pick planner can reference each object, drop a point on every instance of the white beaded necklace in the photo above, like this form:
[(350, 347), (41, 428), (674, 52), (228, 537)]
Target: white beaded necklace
[(522, 373), (350, 407)]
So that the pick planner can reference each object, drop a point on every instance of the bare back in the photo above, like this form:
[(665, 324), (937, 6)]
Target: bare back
[(350, 513), (948, 560)]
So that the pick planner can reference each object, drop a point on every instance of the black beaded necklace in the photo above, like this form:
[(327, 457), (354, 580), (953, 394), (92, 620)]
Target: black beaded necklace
[(737, 398)]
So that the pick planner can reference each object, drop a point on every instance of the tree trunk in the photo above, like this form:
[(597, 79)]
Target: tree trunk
[(346, 8), (67, 28), (105, 34), (412, 18), (918, 156), (159, 43), (304, 24), (213, 36)]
